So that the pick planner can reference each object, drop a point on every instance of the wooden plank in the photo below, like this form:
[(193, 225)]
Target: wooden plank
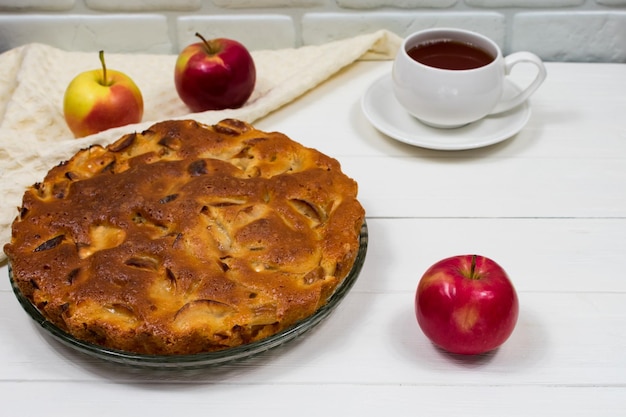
[(562, 339), (497, 187), (304, 400), (540, 255)]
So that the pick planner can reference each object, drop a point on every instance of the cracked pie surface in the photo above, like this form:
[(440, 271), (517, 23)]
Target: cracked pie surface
[(186, 238)]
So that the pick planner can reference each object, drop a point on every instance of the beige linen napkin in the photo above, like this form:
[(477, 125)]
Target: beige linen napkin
[(34, 136)]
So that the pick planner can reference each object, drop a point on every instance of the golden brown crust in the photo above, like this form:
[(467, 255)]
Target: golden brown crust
[(186, 238)]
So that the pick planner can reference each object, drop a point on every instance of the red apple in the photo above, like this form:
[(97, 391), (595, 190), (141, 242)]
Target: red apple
[(101, 99), (214, 74), (466, 304)]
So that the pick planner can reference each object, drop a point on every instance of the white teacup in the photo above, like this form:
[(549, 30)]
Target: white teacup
[(440, 96)]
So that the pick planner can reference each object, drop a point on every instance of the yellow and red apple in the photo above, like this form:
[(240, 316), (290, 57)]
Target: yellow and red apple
[(101, 99), (214, 74)]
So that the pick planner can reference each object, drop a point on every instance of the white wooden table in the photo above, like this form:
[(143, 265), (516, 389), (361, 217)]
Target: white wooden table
[(549, 205)]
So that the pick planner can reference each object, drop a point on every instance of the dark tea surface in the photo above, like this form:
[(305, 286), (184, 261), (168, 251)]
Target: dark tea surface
[(450, 54)]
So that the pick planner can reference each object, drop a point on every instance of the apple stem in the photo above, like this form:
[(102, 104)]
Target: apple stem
[(473, 267), (104, 69), (211, 49)]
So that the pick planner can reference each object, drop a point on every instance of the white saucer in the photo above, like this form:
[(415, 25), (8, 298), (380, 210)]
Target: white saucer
[(387, 115)]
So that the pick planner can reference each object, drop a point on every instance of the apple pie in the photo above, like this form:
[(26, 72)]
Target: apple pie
[(186, 238)]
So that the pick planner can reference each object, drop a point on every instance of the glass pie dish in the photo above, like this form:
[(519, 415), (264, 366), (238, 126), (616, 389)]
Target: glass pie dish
[(207, 359)]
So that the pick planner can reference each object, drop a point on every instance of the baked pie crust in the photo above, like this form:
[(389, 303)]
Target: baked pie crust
[(186, 238)]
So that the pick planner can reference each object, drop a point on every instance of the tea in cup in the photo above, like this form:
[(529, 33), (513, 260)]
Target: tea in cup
[(448, 78)]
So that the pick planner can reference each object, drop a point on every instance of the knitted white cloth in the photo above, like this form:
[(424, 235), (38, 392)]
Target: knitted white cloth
[(34, 136)]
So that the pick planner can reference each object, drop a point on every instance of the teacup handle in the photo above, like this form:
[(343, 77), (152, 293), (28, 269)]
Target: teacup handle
[(509, 62)]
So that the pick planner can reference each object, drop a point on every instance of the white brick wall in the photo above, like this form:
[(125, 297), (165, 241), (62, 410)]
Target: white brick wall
[(557, 30)]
